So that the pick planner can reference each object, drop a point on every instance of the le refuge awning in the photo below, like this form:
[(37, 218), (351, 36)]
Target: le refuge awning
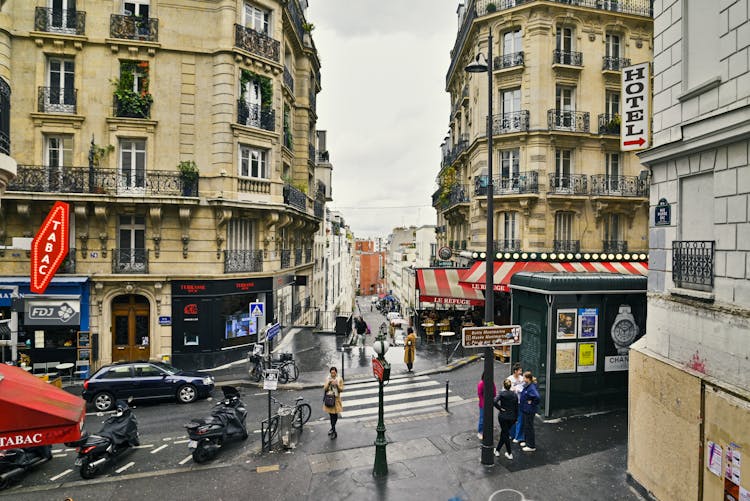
[(442, 286)]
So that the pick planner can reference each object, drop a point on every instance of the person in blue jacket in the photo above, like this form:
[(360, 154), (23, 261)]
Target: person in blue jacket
[(529, 406)]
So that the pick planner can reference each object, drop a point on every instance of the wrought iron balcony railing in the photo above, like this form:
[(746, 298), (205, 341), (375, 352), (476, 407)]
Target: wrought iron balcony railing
[(4, 143), (311, 153), (286, 258), (573, 121), (288, 79), (255, 115), (693, 264), (134, 27), (637, 7), (508, 60), (297, 257), (295, 197), (135, 106), (618, 246), (51, 20), (458, 194), (295, 14), (507, 245), (566, 245), (569, 57), (308, 255), (4, 117), (243, 260), (256, 43), (516, 121), (609, 124), (56, 100), (574, 184), (614, 63), (318, 209), (620, 186), (99, 180), (130, 260), (523, 182)]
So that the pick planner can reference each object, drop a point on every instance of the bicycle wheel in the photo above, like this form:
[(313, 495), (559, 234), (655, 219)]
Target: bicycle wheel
[(293, 371), (270, 432), (283, 374), (301, 415)]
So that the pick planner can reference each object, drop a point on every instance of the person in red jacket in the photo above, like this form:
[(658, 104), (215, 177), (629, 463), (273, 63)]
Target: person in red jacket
[(480, 394)]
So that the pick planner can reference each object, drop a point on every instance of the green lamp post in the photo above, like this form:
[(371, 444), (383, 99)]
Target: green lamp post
[(382, 371)]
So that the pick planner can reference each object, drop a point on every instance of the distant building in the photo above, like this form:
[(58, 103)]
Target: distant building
[(370, 268)]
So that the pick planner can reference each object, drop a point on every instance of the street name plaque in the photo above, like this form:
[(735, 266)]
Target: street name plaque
[(495, 335)]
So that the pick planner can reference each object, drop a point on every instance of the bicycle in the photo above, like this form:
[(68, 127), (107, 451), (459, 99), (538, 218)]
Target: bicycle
[(300, 415), (288, 370)]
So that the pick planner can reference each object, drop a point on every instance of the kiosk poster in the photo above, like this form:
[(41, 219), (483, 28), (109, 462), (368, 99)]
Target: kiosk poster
[(566, 323), (586, 357), (565, 358), (714, 458), (587, 321)]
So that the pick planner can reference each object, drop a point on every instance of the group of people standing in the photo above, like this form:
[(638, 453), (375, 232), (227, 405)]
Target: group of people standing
[(517, 404)]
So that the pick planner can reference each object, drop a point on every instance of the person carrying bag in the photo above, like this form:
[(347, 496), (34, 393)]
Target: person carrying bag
[(332, 389)]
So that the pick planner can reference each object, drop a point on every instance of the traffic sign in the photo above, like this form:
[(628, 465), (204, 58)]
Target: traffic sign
[(495, 335), (257, 309), (270, 379), (636, 91), (49, 247), (272, 331)]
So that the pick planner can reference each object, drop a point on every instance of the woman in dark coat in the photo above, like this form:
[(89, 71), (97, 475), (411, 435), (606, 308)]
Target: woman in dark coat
[(529, 407), (507, 405)]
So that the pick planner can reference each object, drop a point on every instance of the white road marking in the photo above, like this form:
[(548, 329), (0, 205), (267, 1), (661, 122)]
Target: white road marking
[(391, 388), (159, 448), (392, 398), (70, 450), (186, 459), (57, 451), (59, 455), (120, 470), (166, 439), (259, 394), (143, 446), (61, 474), (398, 407), (181, 441), (374, 384)]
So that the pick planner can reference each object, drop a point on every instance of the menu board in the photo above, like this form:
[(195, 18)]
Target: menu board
[(83, 346)]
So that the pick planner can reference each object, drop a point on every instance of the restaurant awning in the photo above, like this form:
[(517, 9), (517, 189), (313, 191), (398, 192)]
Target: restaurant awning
[(33, 412), (442, 286), (475, 276)]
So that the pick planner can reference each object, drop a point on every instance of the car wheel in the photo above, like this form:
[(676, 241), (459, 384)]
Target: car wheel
[(104, 401), (187, 394)]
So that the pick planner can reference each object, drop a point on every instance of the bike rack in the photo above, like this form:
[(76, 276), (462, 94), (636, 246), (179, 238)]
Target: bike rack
[(265, 425)]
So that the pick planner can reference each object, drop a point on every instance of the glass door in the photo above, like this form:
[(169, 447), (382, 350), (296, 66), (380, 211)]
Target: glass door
[(132, 175)]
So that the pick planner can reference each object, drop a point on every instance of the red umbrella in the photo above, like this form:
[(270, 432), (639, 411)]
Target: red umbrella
[(34, 412)]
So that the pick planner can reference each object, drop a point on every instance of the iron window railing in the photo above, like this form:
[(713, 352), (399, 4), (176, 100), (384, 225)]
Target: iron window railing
[(569, 57), (56, 100), (573, 184), (295, 197), (614, 63), (318, 209), (693, 264), (637, 7), (621, 186), (618, 246), (566, 245), (295, 14), (256, 115), (286, 258), (458, 194), (130, 260), (523, 182), (256, 43), (243, 260), (516, 121), (508, 60), (134, 27), (609, 124), (297, 257), (507, 245), (573, 121), (51, 20), (288, 79)]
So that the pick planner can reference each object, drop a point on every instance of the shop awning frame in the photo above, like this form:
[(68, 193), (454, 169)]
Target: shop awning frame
[(442, 286)]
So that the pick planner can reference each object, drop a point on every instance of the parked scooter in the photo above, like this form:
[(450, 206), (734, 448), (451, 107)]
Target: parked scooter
[(119, 433), (226, 422), (15, 462)]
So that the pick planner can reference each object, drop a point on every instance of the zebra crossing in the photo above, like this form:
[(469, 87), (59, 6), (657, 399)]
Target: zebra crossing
[(400, 396)]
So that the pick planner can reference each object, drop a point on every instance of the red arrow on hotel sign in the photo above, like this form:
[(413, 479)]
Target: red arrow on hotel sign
[(49, 247)]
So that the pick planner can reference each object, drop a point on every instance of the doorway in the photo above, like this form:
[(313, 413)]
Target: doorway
[(131, 338)]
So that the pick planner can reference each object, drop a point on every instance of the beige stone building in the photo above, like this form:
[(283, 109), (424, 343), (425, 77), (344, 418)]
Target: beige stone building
[(561, 183), (113, 107)]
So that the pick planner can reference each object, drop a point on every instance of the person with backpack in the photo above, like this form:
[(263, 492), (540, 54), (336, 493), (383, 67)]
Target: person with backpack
[(529, 407), (361, 328)]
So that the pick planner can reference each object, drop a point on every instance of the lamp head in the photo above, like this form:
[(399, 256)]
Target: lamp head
[(476, 66), (381, 347)]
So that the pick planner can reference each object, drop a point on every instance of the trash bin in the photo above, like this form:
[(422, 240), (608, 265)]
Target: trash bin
[(288, 433)]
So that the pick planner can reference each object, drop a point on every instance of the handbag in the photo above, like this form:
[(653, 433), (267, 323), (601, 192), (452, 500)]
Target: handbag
[(329, 400)]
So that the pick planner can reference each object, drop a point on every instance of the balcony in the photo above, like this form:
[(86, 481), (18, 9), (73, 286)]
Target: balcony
[(286, 258), (243, 261), (256, 43), (507, 61), (523, 182), (505, 123), (637, 7), (615, 246), (567, 57), (68, 21), (571, 121), (458, 194), (297, 257), (693, 264), (56, 100), (288, 80), (4, 143), (609, 124), (318, 209), (295, 197), (574, 184), (311, 153), (132, 105), (130, 260), (298, 19), (308, 255), (99, 180), (134, 28), (256, 115), (506, 245), (610, 63), (4, 117), (618, 186), (566, 245)]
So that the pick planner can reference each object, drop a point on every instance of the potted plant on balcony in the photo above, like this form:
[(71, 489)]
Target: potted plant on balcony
[(614, 124), (130, 103), (491, 7), (189, 174)]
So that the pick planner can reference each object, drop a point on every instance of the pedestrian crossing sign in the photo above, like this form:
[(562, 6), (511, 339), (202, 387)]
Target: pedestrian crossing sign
[(257, 309)]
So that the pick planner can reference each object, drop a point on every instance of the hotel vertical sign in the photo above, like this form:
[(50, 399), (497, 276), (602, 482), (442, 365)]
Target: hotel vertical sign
[(635, 126)]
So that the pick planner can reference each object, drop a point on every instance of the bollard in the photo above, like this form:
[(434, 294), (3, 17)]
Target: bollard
[(446, 395), (342, 364)]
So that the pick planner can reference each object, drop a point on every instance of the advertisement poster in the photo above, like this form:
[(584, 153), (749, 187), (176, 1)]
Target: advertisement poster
[(587, 322), (240, 325), (565, 358), (744, 494), (586, 357), (714, 455), (734, 461), (566, 323)]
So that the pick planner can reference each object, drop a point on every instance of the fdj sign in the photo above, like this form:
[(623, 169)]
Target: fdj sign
[(636, 90), (49, 247)]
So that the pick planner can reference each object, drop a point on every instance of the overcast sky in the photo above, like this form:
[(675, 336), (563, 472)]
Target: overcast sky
[(384, 105)]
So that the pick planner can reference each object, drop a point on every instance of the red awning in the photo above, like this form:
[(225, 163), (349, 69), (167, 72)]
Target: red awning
[(33, 412), (441, 285), (475, 276)]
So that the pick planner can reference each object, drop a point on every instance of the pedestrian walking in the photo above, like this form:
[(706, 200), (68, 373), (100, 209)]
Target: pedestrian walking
[(480, 394), (507, 405), (361, 328), (529, 408), (516, 386), (410, 348), (332, 389)]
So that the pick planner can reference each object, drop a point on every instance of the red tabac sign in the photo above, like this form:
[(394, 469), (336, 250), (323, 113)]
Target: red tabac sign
[(49, 247)]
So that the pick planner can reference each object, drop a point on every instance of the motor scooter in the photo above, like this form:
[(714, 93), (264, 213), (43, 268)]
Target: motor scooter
[(118, 434), (15, 462), (226, 422)]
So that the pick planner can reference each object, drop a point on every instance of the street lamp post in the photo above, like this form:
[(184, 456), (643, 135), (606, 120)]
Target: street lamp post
[(489, 304), (382, 370)]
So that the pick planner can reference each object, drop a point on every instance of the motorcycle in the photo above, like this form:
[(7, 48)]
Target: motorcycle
[(15, 462), (118, 434), (226, 422)]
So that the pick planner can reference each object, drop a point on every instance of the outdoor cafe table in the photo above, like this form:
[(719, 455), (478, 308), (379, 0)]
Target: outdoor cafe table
[(446, 337)]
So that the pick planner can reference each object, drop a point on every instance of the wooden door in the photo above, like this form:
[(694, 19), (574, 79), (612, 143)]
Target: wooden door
[(131, 339)]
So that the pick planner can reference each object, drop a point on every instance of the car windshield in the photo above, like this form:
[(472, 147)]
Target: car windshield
[(167, 368)]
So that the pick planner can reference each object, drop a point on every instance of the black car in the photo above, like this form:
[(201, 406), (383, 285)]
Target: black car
[(144, 380)]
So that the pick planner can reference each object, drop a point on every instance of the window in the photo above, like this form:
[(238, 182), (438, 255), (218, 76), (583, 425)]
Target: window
[(132, 173), (511, 42), (253, 162), (612, 231), (507, 230), (59, 151), (138, 8), (509, 167), (147, 370), (62, 16), (612, 45), (60, 96), (612, 161), (116, 372), (131, 244), (562, 170), (564, 44), (612, 103), (564, 226), (565, 106), (241, 234), (257, 19)]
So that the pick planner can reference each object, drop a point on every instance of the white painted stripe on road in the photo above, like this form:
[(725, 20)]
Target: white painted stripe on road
[(59, 455), (374, 384), (120, 470), (166, 439), (186, 459), (57, 451), (391, 389), (70, 450), (181, 441), (392, 398), (159, 448), (143, 446), (398, 407), (61, 474)]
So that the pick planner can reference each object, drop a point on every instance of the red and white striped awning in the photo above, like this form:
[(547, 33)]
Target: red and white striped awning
[(441, 286), (475, 276)]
